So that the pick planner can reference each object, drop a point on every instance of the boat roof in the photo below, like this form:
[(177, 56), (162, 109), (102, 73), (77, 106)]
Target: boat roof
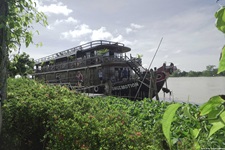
[(90, 46)]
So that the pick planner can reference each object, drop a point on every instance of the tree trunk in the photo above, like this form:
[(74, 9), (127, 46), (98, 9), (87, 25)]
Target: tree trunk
[(3, 56)]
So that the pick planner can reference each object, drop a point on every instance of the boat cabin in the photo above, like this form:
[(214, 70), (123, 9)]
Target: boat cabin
[(96, 62)]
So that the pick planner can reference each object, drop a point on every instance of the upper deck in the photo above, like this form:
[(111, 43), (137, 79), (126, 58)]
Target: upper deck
[(87, 47)]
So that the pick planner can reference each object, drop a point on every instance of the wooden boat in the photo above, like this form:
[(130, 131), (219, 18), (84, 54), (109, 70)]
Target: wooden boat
[(102, 67)]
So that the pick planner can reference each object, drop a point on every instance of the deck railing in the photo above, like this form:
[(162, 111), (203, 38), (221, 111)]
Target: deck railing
[(74, 50), (78, 63)]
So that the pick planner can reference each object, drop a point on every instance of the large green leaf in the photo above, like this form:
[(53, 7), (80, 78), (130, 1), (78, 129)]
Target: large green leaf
[(215, 113), (222, 61), (211, 105), (217, 124), (222, 116), (195, 132), (167, 120), (220, 22)]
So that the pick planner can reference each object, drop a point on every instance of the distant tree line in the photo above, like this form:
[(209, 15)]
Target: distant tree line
[(210, 71)]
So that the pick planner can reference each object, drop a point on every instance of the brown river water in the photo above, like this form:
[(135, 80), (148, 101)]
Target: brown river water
[(197, 90)]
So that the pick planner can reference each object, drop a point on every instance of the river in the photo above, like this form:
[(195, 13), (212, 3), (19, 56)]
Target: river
[(197, 90)]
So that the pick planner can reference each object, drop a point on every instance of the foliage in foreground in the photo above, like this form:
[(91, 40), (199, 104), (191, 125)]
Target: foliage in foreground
[(38, 116), (199, 129)]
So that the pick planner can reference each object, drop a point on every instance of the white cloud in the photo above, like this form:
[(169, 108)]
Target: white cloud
[(133, 28), (136, 26), (79, 31), (69, 20), (50, 27), (85, 33), (101, 34), (128, 30), (119, 38), (58, 8)]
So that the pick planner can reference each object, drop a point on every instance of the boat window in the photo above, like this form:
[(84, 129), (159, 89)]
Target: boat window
[(111, 53), (80, 54), (116, 55), (39, 67), (93, 54)]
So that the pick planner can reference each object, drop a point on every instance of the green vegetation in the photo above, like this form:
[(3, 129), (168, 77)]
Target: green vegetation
[(21, 64), (102, 51), (39, 116), (199, 124), (220, 24)]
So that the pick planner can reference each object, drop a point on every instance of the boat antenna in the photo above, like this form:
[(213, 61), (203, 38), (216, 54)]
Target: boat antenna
[(148, 67)]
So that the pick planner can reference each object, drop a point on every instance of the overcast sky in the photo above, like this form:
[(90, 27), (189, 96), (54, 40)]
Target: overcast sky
[(190, 39)]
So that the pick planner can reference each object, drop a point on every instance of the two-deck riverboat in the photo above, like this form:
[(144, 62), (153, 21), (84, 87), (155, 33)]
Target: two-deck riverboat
[(102, 67)]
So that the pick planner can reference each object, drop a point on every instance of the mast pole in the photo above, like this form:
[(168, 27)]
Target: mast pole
[(148, 68)]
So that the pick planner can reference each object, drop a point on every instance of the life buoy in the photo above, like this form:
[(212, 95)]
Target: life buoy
[(96, 89)]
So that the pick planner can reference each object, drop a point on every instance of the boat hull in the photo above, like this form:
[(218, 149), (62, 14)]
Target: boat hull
[(133, 89)]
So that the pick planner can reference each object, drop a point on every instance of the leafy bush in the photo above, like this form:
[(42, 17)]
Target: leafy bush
[(39, 116), (194, 127)]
